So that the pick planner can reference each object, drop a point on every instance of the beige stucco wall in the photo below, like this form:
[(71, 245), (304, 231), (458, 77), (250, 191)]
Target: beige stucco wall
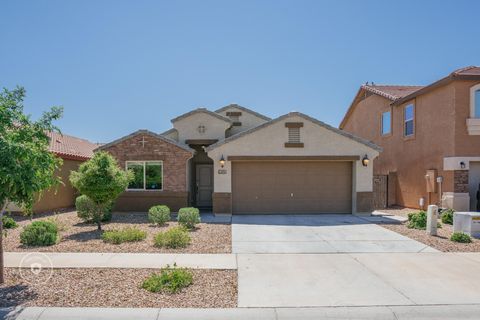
[(247, 119), (187, 127), (318, 141)]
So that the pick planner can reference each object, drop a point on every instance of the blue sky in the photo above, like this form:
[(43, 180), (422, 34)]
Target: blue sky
[(119, 66)]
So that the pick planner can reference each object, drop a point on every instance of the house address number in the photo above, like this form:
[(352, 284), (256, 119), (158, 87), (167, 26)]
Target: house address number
[(222, 171)]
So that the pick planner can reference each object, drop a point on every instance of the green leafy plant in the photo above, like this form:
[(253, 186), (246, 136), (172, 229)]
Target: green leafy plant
[(27, 167), (447, 216), (86, 210), (39, 233), (124, 235), (188, 217), (9, 223), (176, 237), (159, 214), (461, 237), (417, 220), (101, 180), (169, 280)]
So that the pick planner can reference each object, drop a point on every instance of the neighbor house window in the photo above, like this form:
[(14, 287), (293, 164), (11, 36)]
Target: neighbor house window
[(409, 120), (386, 123), (477, 103), (148, 175)]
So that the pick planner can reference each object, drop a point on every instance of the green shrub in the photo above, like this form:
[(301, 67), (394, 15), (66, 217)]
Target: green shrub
[(461, 237), (170, 280), (39, 233), (176, 237), (124, 235), (447, 216), (86, 210), (188, 217), (8, 222), (417, 220), (159, 214)]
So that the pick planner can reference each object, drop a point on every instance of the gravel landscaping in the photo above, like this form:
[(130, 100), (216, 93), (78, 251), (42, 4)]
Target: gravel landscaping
[(118, 288), (77, 236), (440, 242)]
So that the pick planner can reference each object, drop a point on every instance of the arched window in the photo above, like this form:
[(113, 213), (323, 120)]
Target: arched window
[(476, 104)]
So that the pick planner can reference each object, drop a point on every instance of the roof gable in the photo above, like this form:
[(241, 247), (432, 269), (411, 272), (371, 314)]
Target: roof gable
[(236, 106), (201, 110), (143, 131), (293, 114)]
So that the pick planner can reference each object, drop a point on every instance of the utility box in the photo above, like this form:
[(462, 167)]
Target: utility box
[(467, 222), (431, 180)]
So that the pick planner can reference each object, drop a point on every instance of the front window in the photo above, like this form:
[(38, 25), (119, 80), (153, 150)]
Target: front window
[(148, 175), (386, 123), (477, 103), (409, 120)]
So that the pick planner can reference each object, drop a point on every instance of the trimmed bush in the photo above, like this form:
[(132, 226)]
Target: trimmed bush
[(447, 216), (461, 237), (9, 223), (86, 209), (173, 238), (39, 233), (418, 220), (124, 235), (188, 217), (159, 214), (169, 280)]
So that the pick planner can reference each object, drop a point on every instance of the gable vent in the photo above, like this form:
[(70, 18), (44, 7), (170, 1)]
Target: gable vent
[(294, 138)]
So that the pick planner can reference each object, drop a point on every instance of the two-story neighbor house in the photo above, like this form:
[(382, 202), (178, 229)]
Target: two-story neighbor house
[(430, 137), (235, 160)]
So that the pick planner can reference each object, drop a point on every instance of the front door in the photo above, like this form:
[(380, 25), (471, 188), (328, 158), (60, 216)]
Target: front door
[(204, 174)]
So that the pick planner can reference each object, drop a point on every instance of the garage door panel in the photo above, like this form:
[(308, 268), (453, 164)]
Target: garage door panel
[(292, 187)]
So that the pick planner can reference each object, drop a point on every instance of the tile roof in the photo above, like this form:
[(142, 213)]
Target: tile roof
[(471, 70), (201, 110), (234, 105), (69, 147), (392, 92)]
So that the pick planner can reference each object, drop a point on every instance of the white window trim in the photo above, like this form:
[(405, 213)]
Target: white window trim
[(472, 100), (473, 124), (381, 129), (144, 162), (405, 120)]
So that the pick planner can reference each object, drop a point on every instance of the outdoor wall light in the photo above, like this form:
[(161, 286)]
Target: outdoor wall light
[(222, 161), (365, 161), (462, 165)]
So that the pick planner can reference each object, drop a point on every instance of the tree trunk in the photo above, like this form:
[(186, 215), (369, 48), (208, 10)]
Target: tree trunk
[(2, 278)]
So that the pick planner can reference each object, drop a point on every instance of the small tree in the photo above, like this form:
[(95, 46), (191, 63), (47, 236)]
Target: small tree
[(26, 165), (102, 180)]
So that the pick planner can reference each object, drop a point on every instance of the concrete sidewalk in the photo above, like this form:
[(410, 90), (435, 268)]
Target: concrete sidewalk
[(438, 312), (120, 260)]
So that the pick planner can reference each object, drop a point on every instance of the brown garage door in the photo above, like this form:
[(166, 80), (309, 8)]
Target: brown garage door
[(292, 187)]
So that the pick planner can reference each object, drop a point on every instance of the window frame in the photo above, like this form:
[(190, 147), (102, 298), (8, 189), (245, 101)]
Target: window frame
[(473, 92), (389, 133), (405, 120), (144, 162)]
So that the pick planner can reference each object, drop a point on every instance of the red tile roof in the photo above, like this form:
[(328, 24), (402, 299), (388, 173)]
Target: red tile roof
[(391, 92), (69, 147), (471, 70)]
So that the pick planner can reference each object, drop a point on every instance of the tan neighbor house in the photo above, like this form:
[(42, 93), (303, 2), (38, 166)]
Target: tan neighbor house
[(235, 160), (73, 151), (430, 137)]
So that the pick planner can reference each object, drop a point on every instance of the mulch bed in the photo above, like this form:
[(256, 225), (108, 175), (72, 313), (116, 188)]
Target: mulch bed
[(440, 242), (77, 236), (118, 288)]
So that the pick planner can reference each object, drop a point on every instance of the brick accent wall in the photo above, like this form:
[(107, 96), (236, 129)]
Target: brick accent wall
[(460, 181), (175, 189), (364, 202)]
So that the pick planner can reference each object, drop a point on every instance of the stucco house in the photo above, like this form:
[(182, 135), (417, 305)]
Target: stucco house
[(73, 151), (430, 137), (235, 160)]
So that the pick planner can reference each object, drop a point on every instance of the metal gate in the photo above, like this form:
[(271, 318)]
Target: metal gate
[(380, 191)]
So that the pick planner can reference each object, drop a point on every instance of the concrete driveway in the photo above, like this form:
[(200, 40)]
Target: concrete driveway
[(323, 233)]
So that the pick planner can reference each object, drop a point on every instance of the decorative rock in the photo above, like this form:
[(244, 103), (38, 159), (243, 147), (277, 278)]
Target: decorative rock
[(432, 216)]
